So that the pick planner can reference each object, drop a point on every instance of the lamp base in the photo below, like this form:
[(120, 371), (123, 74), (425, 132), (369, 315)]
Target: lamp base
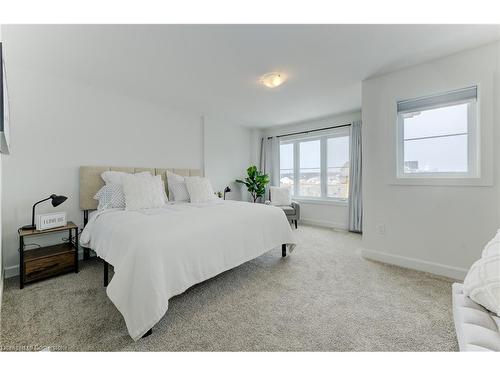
[(29, 227)]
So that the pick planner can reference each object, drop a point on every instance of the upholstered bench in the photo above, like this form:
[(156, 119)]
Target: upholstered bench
[(477, 328)]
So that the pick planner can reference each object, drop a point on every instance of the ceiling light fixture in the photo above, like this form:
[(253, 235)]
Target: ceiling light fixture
[(272, 80)]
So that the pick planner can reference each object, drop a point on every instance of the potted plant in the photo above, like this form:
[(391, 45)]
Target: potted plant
[(255, 182)]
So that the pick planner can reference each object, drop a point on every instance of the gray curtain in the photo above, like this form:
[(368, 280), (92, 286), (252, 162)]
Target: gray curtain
[(269, 160), (265, 147), (355, 180)]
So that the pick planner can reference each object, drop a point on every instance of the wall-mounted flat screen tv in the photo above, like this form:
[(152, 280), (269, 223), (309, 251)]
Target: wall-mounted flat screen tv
[(4, 108)]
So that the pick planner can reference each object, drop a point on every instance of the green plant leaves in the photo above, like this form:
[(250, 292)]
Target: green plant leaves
[(255, 182)]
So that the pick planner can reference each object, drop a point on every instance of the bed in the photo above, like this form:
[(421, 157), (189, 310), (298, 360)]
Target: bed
[(159, 253)]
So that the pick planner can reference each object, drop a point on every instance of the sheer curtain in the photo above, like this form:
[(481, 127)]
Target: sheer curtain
[(355, 180)]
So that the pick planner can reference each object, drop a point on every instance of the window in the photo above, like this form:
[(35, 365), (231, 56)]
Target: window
[(310, 169), (287, 176), (338, 167), (316, 167), (437, 135)]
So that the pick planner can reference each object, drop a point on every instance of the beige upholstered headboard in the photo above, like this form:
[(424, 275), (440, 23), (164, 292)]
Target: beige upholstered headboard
[(91, 181)]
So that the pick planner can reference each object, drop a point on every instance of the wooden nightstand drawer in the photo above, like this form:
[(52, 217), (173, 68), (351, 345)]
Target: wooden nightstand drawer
[(48, 261)]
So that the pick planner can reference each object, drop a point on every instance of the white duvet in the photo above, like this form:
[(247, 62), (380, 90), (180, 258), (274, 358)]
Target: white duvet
[(159, 253)]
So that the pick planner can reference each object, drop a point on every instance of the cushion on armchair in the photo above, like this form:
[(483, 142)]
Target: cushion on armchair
[(280, 196)]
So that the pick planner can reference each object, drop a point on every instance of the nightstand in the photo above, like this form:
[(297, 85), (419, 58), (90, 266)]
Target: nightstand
[(43, 262)]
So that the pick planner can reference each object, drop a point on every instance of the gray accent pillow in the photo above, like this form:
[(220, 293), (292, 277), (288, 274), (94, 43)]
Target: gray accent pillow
[(177, 189), (110, 196)]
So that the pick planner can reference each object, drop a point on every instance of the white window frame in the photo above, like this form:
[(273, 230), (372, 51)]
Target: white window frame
[(473, 148), (323, 138)]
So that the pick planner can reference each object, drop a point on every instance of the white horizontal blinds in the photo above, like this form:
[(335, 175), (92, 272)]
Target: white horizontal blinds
[(469, 93)]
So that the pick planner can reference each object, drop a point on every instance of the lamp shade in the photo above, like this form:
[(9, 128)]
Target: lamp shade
[(57, 199)]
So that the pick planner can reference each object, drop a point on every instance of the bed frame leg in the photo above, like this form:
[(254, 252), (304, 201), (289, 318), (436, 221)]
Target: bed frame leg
[(106, 274), (283, 250), (86, 250), (148, 333)]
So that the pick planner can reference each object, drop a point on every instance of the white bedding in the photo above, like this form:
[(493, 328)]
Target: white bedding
[(159, 253)]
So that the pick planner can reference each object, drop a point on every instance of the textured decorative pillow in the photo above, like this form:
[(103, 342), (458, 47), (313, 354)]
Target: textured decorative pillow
[(280, 196), (110, 196), (143, 192), (482, 283), (177, 189), (200, 190), (115, 177), (493, 247)]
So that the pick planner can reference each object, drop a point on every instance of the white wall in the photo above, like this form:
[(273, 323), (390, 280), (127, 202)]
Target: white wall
[(58, 125), (497, 127), (228, 155), (255, 145), (1, 248), (441, 229), (329, 214)]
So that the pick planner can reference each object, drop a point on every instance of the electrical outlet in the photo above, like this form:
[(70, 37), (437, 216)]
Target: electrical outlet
[(381, 229)]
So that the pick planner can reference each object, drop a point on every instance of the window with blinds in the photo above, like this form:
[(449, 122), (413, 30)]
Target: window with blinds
[(437, 135)]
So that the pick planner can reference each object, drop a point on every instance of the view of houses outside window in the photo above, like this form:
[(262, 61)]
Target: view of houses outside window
[(338, 167), (287, 176), (316, 173), (310, 169)]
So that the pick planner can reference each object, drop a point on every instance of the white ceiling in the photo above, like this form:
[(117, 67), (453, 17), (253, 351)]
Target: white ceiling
[(214, 69)]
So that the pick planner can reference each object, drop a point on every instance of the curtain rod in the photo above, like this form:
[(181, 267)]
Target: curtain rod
[(311, 131)]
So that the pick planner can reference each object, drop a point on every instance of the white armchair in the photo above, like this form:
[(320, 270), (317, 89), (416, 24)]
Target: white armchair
[(281, 197)]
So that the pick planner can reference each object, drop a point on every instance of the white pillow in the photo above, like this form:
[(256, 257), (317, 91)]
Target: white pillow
[(143, 192), (492, 247), (115, 177), (280, 196), (177, 189), (200, 190), (482, 283), (110, 196)]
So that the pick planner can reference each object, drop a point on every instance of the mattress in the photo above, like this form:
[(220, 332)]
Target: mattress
[(477, 328)]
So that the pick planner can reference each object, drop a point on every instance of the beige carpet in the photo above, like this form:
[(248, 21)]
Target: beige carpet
[(323, 297)]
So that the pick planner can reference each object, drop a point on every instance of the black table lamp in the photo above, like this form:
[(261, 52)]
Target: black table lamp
[(227, 189), (56, 201)]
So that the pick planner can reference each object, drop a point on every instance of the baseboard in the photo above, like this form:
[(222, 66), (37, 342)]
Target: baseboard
[(11, 271), (324, 224), (1, 293), (452, 272)]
